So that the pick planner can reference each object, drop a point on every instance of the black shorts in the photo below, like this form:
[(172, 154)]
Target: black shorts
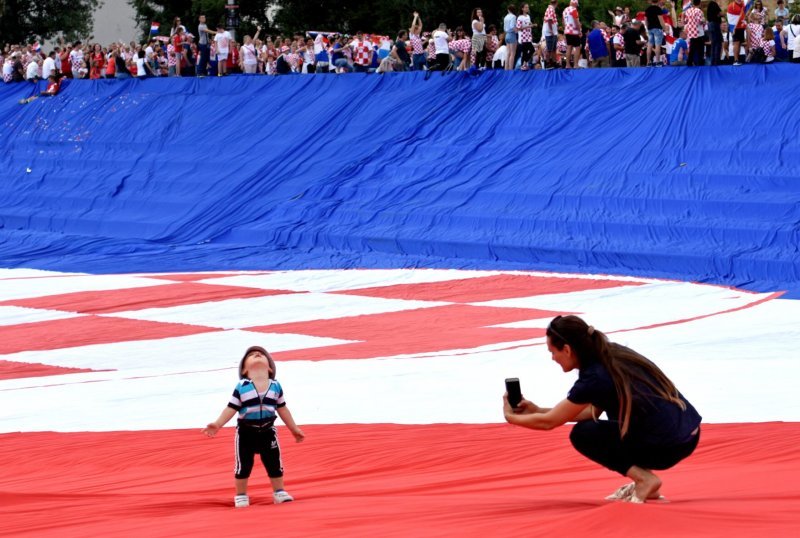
[(738, 35), (251, 441), (573, 40)]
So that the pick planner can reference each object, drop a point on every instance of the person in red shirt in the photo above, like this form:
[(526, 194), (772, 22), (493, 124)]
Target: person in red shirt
[(53, 86), (736, 16), (177, 43), (97, 61)]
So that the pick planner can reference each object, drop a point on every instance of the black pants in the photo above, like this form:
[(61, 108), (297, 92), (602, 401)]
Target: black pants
[(251, 441), (599, 441), (696, 47), (442, 62), (527, 52)]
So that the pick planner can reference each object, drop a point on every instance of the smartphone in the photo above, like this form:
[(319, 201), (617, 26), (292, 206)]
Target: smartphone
[(514, 391)]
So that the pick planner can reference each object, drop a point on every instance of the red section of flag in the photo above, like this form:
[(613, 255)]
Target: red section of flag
[(88, 330), (19, 370), (389, 480), (489, 288), (423, 330), (108, 301)]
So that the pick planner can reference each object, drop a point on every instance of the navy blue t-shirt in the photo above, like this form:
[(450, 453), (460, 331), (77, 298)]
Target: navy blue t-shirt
[(597, 44), (653, 419)]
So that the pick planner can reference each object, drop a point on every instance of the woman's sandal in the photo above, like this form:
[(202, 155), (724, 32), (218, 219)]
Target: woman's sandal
[(623, 493)]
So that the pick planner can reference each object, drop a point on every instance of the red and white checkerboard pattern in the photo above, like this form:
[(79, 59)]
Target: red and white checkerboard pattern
[(137, 345), (525, 35), (551, 18), (570, 16), (693, 20), (363, 53)]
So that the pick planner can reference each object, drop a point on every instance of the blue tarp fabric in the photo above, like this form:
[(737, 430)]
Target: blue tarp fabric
[(691, 174)]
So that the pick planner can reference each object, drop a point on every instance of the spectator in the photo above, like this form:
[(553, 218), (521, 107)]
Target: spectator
[(525, 37), (400, 52), (32, 73), (618, 16), (49, 66), (633, 44), (781, 13), (120, 66), (500, 56), (492, 44), (415, 38), (781, 52), (248, 54), (597, 43), (693, 21), (222, 38), (550, 33), (760, 13), (176, 25), (202, 46), (97, 61), (510, 31), (362, 53), (478, 37), (792, 33), (755, 39), (655, 32), (309, 58), (618, 46), (75, 59), (680, 50), (714, 17), (142, 67), (572, 31), (321, 58), (441, 42), (769, 45), (737, 21)]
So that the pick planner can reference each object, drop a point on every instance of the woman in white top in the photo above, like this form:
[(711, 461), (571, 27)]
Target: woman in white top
[(478, 37), (248, 55), (792, 33)]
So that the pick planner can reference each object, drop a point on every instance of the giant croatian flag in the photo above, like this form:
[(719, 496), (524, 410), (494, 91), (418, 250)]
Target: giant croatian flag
[(396, 377)]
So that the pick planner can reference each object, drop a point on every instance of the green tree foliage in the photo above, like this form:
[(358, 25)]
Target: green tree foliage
[(384, 17), (389, 16), (29, 20), (251, 13)]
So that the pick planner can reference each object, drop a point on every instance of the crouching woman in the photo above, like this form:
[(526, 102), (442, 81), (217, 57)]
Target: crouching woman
[(650, 425)]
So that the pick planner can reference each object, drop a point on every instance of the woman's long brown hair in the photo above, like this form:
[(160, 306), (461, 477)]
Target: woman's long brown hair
[(626, 367)]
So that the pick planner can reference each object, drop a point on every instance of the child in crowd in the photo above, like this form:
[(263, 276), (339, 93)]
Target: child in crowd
[(258, 398)]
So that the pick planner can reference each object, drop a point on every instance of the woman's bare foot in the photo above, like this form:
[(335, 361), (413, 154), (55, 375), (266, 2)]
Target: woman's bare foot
[(648, 485)]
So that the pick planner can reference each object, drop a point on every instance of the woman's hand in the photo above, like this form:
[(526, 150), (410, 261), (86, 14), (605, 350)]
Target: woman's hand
[(526, 407)]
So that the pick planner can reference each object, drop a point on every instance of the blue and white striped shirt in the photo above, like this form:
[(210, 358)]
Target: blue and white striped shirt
[(254, 408)]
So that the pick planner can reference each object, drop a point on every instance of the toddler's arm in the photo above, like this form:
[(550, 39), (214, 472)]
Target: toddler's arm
[(286, 417), (213, 427)]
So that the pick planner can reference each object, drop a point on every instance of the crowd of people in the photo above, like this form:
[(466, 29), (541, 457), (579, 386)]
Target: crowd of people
[(658, 36)]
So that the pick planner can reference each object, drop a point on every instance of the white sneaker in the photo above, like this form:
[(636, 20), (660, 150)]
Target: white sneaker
[(241, 501), (282, 497)]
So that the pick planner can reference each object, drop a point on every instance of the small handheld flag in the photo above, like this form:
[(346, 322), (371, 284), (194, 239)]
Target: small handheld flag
[(154, 28)]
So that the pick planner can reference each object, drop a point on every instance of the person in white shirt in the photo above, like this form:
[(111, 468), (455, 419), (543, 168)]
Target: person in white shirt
[(222, 39), (248, 56), (75, 59), (441, 42), (32, 73), (49, 65)]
